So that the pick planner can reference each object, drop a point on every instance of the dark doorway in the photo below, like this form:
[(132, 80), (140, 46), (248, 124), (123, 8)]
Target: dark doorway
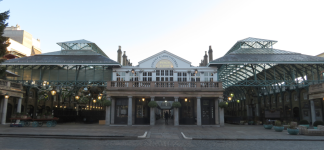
[(296, 113), (9, 111), (187, 112), (142, 112), (121, 111), (207, 112)]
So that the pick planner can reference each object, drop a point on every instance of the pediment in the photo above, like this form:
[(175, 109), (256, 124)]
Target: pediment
[(164, 57)]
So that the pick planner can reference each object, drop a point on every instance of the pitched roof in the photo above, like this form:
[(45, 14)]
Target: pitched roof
[(164, 51), (64, 57)]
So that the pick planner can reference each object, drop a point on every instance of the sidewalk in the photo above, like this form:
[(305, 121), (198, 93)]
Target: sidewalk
[(160, 131)]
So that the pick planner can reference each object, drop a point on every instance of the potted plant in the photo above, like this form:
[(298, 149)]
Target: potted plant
[(176, 104), (268, 125), (222, 105), (304, 123), (316, 123), (278, 126), (152, 104), (292, 130)]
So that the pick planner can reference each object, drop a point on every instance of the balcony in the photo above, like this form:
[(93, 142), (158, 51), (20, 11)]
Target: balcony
[(316, 88), (11, 88), (163, 86)]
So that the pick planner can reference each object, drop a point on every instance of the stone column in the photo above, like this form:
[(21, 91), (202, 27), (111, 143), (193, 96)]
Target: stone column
[(216, 112), (4, 111), (312, 110), (221, 114), (176, 113), (19, 108), (107, 121), (130, 115), (198, 111), (1, 107), (257, 110), (247, 111), (112, 107), (152, 114)]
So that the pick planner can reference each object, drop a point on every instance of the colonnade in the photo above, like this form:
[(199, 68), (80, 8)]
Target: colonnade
[(3, 109)]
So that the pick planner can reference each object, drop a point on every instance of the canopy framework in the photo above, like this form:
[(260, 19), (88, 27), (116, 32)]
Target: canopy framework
[(81, 45), (253, 62)]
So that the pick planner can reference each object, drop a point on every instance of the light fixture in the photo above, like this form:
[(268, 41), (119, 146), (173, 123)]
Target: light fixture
[(143, 99), (77, 97), (64, 106), (6, 96), (74, 107), (87, 106), (232, 95), (229, 98), (323, 98), (60, 106), (165, 101), (133, 71), (94, 101), (226, 103), (196, 71), (99, 97), (186, 99), (238, 101), (56, 106), (53, 92)]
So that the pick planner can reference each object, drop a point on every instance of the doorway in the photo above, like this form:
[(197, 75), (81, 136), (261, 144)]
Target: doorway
[(207, 112), (121, 111), (142, 112)]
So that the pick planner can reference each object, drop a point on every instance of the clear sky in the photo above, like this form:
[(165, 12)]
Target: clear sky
[(183, 27)]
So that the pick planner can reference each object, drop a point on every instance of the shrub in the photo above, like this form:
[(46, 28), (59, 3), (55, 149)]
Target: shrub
[(106, 103), (316, 123), (152, 104), (303, 122), (278, 123), (176, 104), (222, 105)]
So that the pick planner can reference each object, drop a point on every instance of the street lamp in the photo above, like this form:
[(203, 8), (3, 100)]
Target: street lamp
[(53, 92)]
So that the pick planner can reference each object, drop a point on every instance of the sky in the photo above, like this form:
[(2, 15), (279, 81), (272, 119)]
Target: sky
[(183, 27)]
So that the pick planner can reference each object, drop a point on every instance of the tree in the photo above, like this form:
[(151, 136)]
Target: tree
[(4, 41)]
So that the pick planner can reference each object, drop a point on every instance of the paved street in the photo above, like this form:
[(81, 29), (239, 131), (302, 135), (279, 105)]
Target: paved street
[(160, 136)]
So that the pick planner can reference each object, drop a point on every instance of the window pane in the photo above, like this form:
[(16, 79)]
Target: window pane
[(157, 78), (166, 72), (158, 72), (150, 74), (171, 78), (179, 73), (162, 72)]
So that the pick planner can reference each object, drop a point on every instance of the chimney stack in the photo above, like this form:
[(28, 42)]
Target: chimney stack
[(124, 59), (210, 53), (205, 59), (119, 55)]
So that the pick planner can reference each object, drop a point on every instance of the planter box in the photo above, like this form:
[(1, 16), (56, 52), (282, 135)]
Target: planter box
[(278, 128), (286, 126), (268, 126), (305, 125), (292, 131)]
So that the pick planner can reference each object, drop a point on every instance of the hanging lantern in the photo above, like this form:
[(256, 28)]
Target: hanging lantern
[(6, 96), (133, 71), (186, 99), (238, 101), (226, 103), (99, 97), (143, 99), (94, 101), (77, 97), (53, 92), (229, 98), (232, 95)]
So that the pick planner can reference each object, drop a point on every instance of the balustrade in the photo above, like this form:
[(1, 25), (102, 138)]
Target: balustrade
[(163, 85)]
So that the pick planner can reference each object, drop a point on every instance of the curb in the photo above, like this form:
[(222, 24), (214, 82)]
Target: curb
[(245, 139), (71, 136)]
